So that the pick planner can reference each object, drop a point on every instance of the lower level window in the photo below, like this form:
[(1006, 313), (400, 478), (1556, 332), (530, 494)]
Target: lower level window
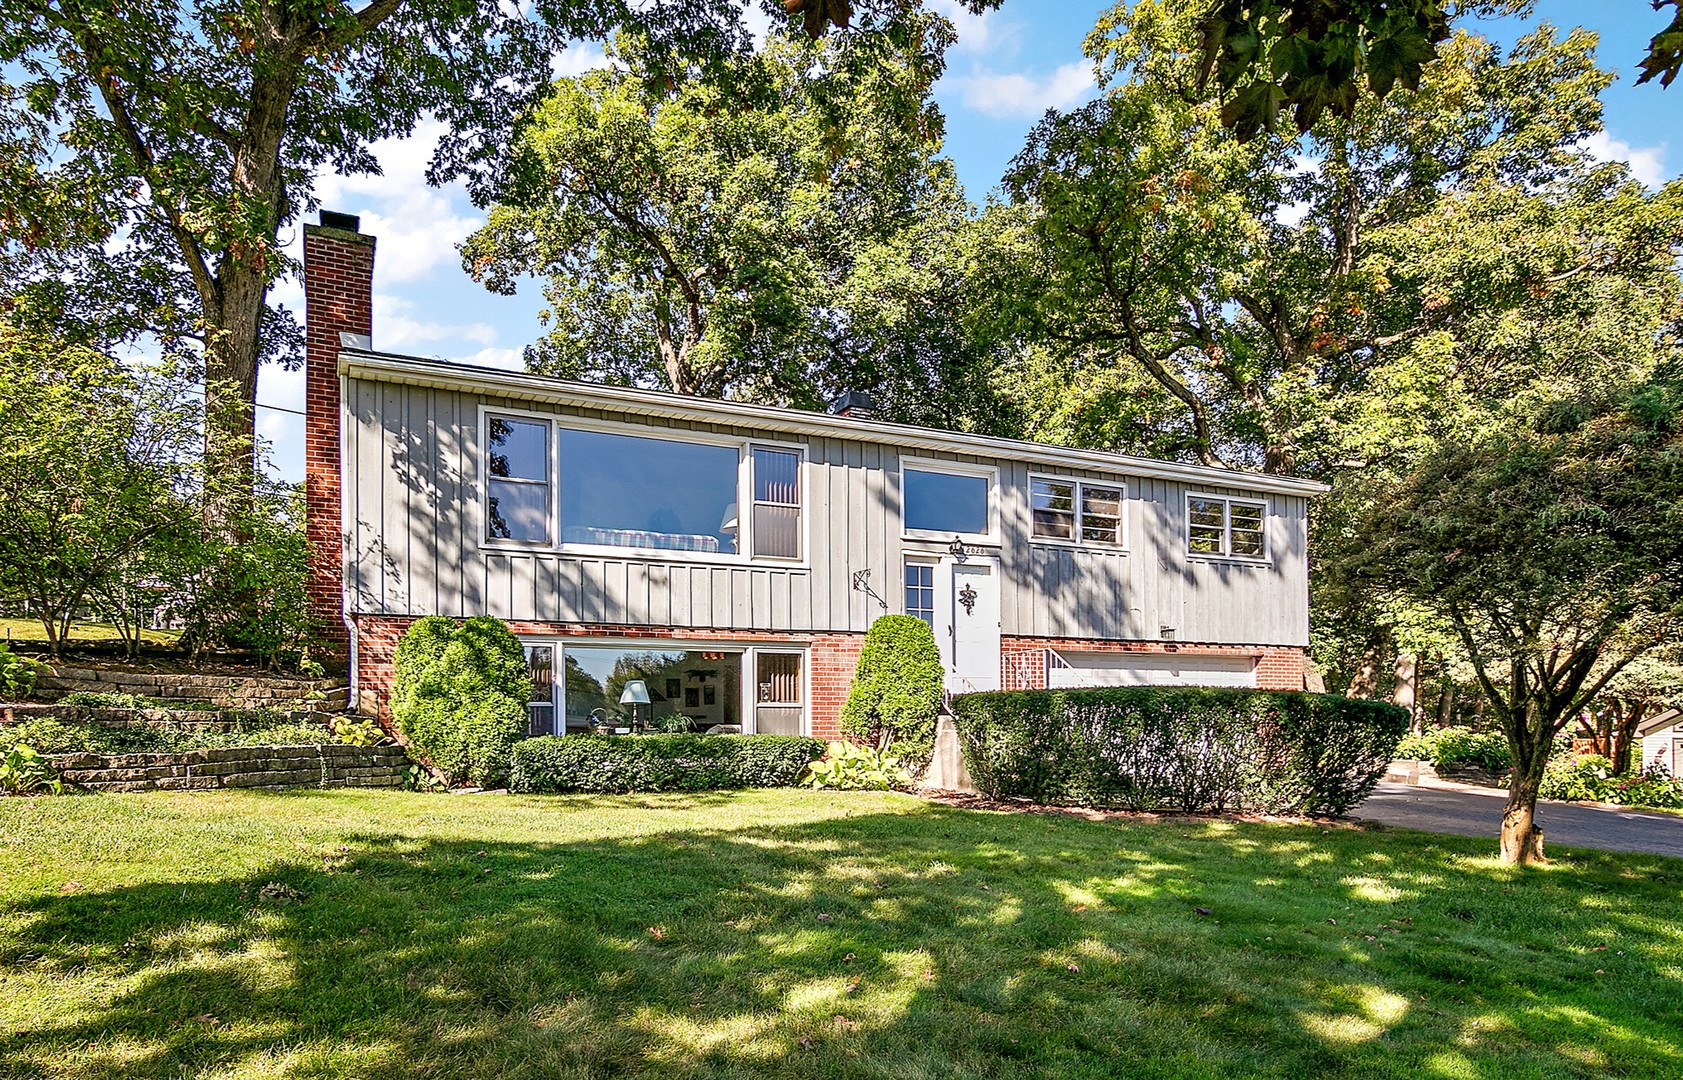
[(680, 690), (540, 708)]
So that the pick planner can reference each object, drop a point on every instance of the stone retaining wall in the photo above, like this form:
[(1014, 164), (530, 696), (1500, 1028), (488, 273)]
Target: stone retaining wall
[(228, 691), (172, 719), (328, 765)]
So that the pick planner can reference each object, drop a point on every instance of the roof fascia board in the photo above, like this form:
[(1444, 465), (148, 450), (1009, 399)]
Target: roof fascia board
[(387, 367)]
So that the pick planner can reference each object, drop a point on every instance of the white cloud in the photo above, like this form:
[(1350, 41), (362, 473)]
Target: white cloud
[(396, 329), (506, 359), (984, 34), (1647, 163), (576, 59), (1019, 95)]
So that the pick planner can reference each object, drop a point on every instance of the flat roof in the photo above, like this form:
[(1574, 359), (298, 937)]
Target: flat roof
[(523, 386)]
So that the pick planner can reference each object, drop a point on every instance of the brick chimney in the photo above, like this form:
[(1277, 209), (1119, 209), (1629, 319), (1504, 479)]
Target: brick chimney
[(338, 303), (855, 405)]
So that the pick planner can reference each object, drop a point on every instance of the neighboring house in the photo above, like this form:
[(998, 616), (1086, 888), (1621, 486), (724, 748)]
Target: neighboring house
[(1662, 741), (731, 556)]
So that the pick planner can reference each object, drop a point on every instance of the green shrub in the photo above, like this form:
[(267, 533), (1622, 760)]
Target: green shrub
[(460, 695), (1590, 778), (51, 736), (848, 766), (354, 732), (17, 675), (107, 699), (619, 763), (1451, 746), (24, 772), (1183, 748), (896, 693)]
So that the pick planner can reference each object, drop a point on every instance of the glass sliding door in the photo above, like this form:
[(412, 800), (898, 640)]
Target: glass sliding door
[(688, 689)]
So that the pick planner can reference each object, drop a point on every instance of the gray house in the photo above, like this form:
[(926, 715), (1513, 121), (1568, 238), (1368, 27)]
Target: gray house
[(729, 557)]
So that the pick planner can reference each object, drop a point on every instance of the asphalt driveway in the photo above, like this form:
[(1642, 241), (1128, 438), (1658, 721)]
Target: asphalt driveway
[(1478, 812)]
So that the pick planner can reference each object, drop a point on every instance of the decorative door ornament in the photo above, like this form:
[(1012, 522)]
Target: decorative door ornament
[(967, 597)]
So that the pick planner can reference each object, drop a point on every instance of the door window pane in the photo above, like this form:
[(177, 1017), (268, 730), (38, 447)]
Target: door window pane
[(946, 503), (1052, 505), (777, 707), (920, 592), (540, 709), (630, 491)]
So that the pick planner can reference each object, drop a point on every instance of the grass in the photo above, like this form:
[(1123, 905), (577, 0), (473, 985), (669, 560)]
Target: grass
[(790, 933), (30, 632)]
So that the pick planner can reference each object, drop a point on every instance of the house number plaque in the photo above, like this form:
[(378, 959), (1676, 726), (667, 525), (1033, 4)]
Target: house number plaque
[(967, 597)]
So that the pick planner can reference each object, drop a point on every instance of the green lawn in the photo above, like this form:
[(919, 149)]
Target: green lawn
[(29, 632), (385, 934)]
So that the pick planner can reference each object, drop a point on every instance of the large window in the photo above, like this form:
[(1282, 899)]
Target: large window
[(939, 502), (517, 480), (1231, 527), (920, 591), (603, 489), (631, 491), (687, 690), (1076, 510)]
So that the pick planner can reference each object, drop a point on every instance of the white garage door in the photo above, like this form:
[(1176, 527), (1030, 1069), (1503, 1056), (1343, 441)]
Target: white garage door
[(1071, 669)]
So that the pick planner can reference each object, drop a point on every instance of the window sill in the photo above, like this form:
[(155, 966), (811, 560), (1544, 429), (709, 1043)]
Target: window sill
[(700, 558), (1234, 560), (1096, 547)]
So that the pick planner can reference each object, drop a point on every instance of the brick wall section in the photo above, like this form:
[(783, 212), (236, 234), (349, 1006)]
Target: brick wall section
[(1024, 659), (338, 298), (831, 656)]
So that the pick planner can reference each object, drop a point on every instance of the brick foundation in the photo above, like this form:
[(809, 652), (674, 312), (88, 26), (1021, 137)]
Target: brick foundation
[(831, 657), (338, 299)]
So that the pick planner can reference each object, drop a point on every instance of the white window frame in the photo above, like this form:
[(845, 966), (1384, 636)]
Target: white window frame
[(749, 655), (934, 564), (744, 486), (952, 468), (557, 678), (1120, 546), (1226, 553)]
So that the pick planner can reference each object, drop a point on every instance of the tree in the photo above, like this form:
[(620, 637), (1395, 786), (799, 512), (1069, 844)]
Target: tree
[(154, 152), (1552, 545), (1252, 286), (91, 472), (779, 240), (1645, 687), (1310, 56)]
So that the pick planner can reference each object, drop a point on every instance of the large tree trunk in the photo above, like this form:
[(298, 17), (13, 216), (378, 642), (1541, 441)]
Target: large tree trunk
[(1624, 735), (1522, 840), (1404, 693), (231, 393)]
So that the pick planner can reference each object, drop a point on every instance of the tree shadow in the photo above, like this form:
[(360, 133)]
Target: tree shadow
[(936, 942)]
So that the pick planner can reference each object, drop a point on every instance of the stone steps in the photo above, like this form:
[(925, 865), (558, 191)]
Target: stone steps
[(198, 720)]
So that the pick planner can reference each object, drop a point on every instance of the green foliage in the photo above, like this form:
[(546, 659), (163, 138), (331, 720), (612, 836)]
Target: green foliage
[(1179, 748), (847, 766), (779, 234), (1590, 778), (460, 695), (91, 473), (354, 732), (1452, 746), (610, 763), (17, 674), (23, 772), (896, 693), (52, 736)]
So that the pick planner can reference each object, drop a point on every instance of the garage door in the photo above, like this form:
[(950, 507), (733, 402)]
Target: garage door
[(1073, 669)]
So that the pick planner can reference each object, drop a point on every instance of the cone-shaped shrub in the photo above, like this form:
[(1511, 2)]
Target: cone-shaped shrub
[(896, 692)]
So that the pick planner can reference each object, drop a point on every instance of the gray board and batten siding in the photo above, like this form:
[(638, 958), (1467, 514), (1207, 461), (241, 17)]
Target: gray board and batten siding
[(413, 519)]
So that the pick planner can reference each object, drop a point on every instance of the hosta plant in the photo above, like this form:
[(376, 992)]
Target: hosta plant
[(25, 772), (848, 766)]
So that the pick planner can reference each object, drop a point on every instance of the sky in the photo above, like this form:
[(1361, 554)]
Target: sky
[(1008, 67)]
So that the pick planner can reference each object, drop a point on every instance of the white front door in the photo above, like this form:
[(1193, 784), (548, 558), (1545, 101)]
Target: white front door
[(972, 610)]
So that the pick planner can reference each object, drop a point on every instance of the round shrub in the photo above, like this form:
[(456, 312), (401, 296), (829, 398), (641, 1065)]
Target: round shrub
[(896, 694), (460, 695), (1182, 748)]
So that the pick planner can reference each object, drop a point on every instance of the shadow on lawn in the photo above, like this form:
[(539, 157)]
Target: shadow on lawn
[(935, 943)]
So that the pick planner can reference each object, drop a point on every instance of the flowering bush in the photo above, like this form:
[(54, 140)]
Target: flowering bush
[(1591, 778)]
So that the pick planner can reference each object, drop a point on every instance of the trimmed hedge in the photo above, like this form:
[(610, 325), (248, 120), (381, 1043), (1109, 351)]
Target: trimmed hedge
[(620, 763), (896, 694), (459, 695), (1180, 748)]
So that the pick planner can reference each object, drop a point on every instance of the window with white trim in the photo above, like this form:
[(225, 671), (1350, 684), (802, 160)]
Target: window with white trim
[(1081, 511), (942, 501), (1222, 526), (777, 503), (920, 591), (519, 487)]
